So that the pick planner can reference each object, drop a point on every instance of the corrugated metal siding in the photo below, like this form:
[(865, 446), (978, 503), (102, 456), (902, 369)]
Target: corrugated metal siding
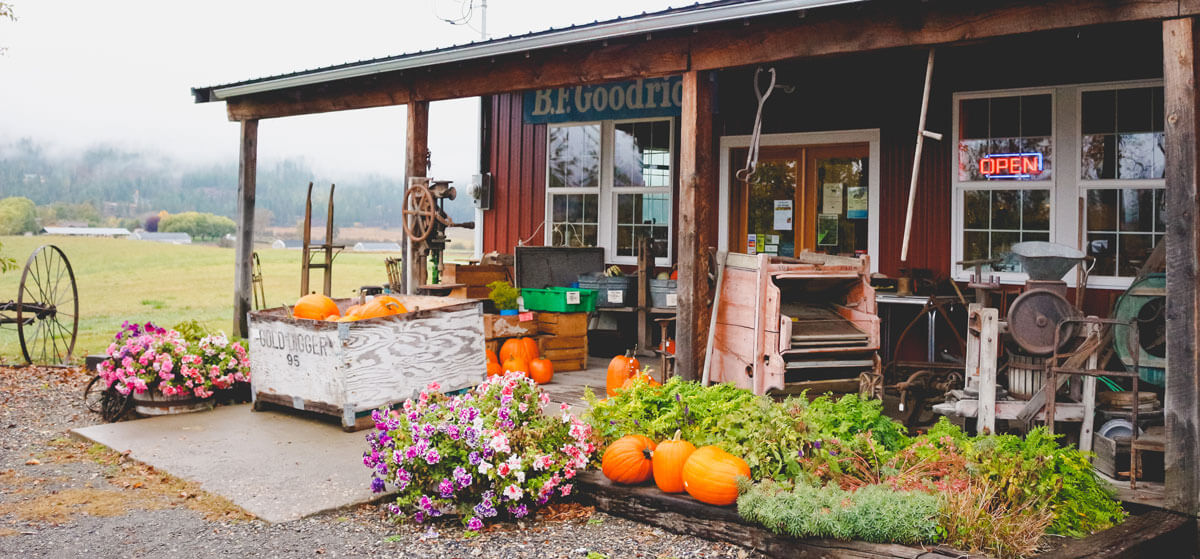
[(517, 154)]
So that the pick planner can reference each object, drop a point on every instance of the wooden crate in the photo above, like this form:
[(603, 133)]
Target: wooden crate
[(563, 324), (568, 353), (475, 277), (497, 326), (347, 369)]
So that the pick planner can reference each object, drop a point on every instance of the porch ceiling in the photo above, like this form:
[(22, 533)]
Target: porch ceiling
[(669, 43)]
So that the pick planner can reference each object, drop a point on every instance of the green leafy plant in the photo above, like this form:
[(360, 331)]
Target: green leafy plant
[(503, 294), (977, 518), (191, 330), (874, 513)]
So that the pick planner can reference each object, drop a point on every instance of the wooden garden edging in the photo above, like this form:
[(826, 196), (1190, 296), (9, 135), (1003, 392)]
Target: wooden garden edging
[(1154, 534)]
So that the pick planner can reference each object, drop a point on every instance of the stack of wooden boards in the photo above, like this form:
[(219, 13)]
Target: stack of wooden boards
[(562, 337)]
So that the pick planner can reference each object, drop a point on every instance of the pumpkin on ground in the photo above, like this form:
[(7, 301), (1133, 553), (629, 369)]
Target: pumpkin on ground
[(314, 306), (643, 376), (491, 357), (710, 475), (541, 370), (494, 368), (620, 369), (516, 364), (531, 348), (667, 463), (627, 459), (514, 347)]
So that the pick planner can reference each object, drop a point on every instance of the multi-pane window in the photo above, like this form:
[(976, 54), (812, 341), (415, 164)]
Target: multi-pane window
[(1005, 175), (1122, 168), (618, 170), (574, 184)]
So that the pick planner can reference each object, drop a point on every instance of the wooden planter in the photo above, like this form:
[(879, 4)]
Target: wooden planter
[(1154, 534), (151, 402), (347, 369)]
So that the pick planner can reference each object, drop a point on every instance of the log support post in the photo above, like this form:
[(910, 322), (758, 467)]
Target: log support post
[(243, 267), (697, 200), (1182, 405), (416, 165)]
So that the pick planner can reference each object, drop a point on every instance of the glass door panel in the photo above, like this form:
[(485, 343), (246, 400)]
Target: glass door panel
[(837, 181), (770, 210)]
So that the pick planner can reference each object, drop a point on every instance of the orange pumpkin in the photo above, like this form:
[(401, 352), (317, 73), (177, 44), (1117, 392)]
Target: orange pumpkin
[(667, 463), (514, 347), (314, 306), (710, 475), (381, 306), (620, 369), (644, 377), (516, 364), (491, 357), (627, 460), (332, 317), (531, 348), (541, 370), (494, 368)]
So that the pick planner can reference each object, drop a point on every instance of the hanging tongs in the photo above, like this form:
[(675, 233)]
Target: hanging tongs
[(748, 172)]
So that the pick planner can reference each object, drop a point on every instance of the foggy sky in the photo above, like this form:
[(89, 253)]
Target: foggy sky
[(81, 72)]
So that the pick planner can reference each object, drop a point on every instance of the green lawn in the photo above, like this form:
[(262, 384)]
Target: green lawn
[(142, 281)]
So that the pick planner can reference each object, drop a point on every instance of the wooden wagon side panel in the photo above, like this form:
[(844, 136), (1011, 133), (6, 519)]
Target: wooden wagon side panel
[(295, 360), (394, 360)]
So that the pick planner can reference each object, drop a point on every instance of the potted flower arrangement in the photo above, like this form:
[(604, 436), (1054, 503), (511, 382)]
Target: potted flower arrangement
[(226, 365), (493, 452)]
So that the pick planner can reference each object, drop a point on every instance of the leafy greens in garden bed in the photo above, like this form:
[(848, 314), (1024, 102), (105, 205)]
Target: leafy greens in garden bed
[(822, 466)]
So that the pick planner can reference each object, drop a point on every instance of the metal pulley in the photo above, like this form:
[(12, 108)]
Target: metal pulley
[(1034, 316)]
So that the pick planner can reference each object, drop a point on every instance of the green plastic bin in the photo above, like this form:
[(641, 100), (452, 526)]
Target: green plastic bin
[(554, 299)]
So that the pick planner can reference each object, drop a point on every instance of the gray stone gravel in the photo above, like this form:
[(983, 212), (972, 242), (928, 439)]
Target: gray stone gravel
[(38, 406)]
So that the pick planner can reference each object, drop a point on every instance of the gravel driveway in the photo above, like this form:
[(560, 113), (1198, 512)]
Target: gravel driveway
[(63, 498)]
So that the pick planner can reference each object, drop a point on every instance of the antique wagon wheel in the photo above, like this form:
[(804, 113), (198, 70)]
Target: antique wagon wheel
[(47, 307), (419, 212)]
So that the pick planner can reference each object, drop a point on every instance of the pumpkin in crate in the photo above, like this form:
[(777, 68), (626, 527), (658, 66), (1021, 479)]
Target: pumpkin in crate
[(667, 463), (381, 306), (627, 459), (314, 306), (620, 369), (710, 475), (494, 368), (541, 370), (516, 364)]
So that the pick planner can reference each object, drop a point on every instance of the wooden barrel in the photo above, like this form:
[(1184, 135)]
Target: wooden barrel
[(152, 402)]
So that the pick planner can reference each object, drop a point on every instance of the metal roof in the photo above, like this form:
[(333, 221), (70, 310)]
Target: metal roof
[(672, 18), (87, 231)]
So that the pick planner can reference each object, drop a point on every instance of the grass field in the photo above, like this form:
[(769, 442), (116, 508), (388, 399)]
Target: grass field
[(142, 281)]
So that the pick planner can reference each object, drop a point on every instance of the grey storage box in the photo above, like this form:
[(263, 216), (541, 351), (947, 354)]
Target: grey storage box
[(662, 293), (618, 291)]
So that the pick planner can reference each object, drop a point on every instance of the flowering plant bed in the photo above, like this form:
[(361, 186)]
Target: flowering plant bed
[(147, 359), (841, 469), (494, 451)]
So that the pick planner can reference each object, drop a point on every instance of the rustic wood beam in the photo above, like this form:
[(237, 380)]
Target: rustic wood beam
[(697, 197), (883, 25), (589, 64), (243, 267), (1182, 399), (416, 165)]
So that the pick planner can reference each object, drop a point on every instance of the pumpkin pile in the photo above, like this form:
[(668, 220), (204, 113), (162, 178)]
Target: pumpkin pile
[(316, 306), (709, 474), (623, 371), (521, 355)]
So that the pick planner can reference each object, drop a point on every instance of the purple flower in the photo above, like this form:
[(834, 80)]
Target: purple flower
[(800, 453), (474, 459), (817, 445), (518, 511), (446, 488), (475, 524), (376, 485), (677, 399), (485, 509), (402, 478), (452, 430), (432, 457), (419, 517), (833, 453), (425, 503)]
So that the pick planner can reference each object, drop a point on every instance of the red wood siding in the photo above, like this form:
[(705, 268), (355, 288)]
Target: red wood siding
[(516, 160)]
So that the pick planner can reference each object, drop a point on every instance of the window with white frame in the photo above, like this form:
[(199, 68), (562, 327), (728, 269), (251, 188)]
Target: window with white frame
[(1010, 187), (1122, 175), (1005, 174), (609, 184)]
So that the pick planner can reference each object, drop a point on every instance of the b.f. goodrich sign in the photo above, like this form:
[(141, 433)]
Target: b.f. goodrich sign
[(612, 101)]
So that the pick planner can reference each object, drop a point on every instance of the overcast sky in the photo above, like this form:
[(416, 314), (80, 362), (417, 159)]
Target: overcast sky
[(79, 72)]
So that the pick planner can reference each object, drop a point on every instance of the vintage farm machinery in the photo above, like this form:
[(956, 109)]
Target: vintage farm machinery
[(426, 220), (46, 311)]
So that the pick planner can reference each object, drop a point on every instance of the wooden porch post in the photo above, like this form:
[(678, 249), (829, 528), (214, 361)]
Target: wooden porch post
[(697, 199), (1182, 407), (242, 267), (416, 165)]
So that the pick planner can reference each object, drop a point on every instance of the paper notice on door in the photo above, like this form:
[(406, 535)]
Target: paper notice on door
[(751, 244), (827, 230), (783, 215), (772, 239), (771, 249), (856, 202), (831, 198)]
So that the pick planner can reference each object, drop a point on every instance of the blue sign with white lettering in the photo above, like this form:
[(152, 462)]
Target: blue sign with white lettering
[(612, 101)]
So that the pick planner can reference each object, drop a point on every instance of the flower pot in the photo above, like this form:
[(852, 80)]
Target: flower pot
[(152, 402), (508, 312)]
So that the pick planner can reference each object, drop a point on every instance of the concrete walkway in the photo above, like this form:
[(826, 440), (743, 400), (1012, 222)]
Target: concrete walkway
[(277, 465)]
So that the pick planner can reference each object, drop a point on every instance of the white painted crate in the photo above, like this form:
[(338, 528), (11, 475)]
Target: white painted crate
[(347, 369)]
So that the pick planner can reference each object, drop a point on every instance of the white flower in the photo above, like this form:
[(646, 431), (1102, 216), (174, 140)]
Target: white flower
[(512, 492), (484, 467), (520, 475)]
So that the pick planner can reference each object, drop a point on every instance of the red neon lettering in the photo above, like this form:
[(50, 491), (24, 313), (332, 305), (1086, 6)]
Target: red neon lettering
[(1014, 165), (1032, 165), (985, 166), (1001, 165)]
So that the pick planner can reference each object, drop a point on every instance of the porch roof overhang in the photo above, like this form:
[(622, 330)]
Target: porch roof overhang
[(709, 36)]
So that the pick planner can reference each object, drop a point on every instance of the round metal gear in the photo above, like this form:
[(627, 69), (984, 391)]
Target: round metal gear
[(419, 212), (1034, 316)]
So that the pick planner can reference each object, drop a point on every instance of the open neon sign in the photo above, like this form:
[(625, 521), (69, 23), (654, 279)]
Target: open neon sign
[(1011, 165)]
